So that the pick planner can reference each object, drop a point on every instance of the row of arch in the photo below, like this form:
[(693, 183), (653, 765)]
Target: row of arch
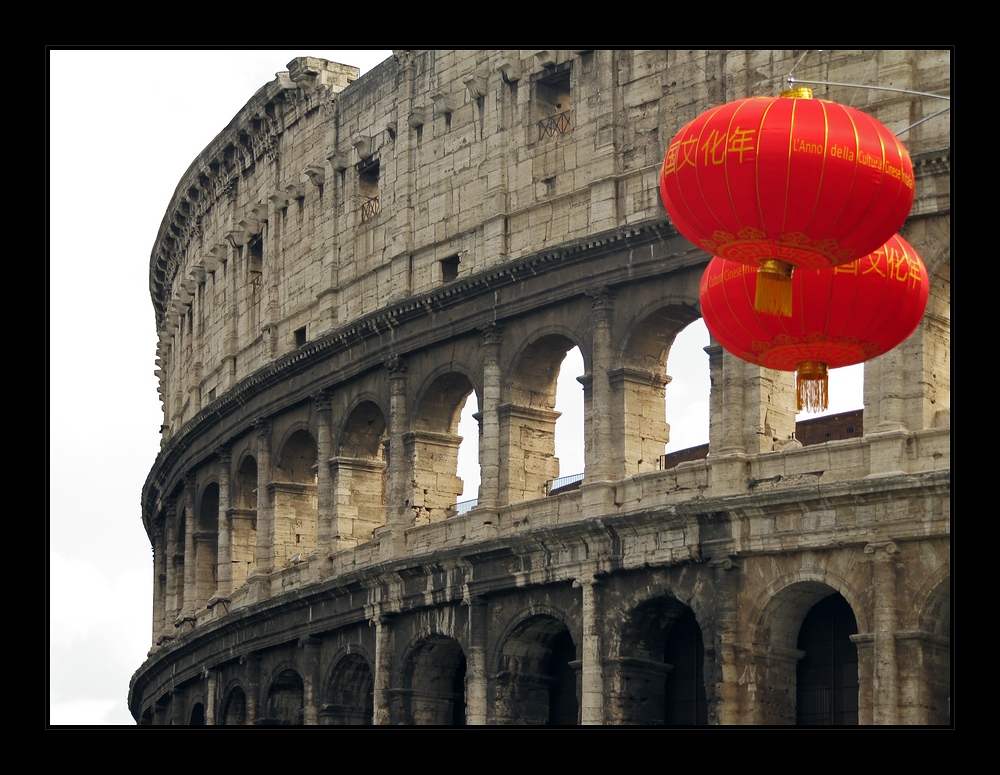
[(666, 673)]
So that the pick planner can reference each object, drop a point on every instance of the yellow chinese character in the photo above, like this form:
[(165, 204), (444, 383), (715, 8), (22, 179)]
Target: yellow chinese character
[(873, 262), (741, 142), (711, 147)]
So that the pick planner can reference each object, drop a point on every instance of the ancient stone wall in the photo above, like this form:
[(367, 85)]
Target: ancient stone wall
[(351, 259)]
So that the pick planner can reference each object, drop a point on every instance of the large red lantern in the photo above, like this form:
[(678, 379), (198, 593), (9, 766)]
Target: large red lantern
[(782, 182), (843, 315)]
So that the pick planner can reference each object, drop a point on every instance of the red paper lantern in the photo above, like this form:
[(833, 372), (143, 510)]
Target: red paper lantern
[(777, 182), (843, 315)]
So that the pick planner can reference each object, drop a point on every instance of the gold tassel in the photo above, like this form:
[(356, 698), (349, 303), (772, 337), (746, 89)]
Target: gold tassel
[(774, 288), (811, 382)]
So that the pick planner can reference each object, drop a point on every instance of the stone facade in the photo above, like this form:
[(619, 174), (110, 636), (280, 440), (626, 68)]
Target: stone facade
[(352, 258)]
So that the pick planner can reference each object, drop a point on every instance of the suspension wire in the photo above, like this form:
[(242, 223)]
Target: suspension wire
[(799, 62), (925, 118), (876, 88), (857, 91)]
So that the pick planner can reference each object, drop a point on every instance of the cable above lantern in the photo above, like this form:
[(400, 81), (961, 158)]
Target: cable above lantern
[(782, 182)]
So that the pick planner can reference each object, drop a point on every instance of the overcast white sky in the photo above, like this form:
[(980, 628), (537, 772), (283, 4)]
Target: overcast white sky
[(124, 126)]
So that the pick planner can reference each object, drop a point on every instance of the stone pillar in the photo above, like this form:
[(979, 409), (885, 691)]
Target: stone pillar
[(592, 673), (399, 512), (211, 683), (598, 463), (174, 581), (190, 564), (265, 509), (327, 529), (159, 583), (884, 692), (489, 436), (311, 691), (724, 672), (225, 557), (475, 664), (177, 702), (383, 670), (252, 673)]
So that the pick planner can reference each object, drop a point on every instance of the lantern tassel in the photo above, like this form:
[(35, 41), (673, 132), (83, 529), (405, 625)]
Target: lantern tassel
[(811, 386), (774, 288)]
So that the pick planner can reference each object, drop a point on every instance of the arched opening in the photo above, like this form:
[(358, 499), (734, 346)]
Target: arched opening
[(647, 397), (538, 676), (197, 718), (827, 674), (925, 661), (468, 454), (295, 508), (234, 713), (434, 448), (351, 694), (529, 467), (359, 474), (661, 678), (569, 442), (434, 683), (688, 389), (243, 521), (206, 545), (285, 700)]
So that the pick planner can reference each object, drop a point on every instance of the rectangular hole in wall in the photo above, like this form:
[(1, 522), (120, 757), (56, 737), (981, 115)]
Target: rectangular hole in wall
[(449, 269)]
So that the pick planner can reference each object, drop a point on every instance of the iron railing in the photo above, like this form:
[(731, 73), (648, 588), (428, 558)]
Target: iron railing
[(370, 208), (554, 125), (554, 484)]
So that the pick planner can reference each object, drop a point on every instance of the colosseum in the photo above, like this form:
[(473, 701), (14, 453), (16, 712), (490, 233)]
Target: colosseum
[(353, 258)]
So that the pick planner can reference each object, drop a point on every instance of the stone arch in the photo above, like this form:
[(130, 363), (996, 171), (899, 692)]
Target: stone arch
[(285, 700), (639, 383), (359, 473), (779, 626), (528, 419), (243, 519), (538, 673), (197, 716), (206, 543), (433, 679), (433, 446), (661, 678), (923, 653), (350, 692), (234, 708), (296, 514)]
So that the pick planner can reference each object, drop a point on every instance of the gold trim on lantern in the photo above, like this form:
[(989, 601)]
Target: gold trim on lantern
[(799, 93), (811, 386)]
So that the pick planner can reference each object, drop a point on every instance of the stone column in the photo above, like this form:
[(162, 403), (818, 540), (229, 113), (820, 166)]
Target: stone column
[(592, 677), (265, 516), (225, 556), (252, 673), (399, 514), (598, 463), (174, 581), (159, 583), (327, 529), (489, 436), (310, 681), (177, 702), (475, 663), (190, 564), (211, 682), (383, 670), (884, 692), (725, 710)]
